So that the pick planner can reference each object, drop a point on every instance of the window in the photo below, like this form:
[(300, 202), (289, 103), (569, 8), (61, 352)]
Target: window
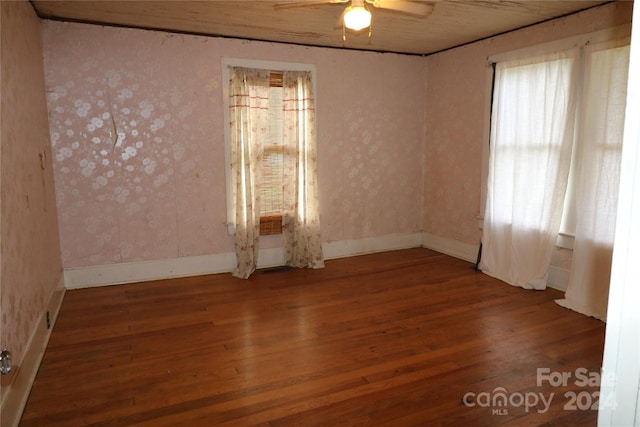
[(556, 129), (568, 222), (534, 110), (270, 144), (271, 192), (272, 187)]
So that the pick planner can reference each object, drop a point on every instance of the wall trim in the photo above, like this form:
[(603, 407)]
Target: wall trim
[(369, 245), (17, 393), (558, 278), (454, 248), (130, 272)]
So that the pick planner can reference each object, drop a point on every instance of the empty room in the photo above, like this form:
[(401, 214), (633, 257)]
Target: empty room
[(319, 213)]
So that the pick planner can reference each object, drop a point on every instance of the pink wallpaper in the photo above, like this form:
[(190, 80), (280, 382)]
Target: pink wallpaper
[(157, 191), (29, 245), (370, 143), (455, 119), (385, 123)]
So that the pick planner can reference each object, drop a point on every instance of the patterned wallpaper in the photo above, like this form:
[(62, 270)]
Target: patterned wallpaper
[(370, 132), (137, 136), (30, 250)]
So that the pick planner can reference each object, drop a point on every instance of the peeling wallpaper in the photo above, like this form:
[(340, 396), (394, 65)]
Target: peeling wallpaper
[(137, 137), (29, 245), (457, 95)]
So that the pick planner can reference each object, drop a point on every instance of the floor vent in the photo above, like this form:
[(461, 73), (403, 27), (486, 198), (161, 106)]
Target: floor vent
[(279, 269)]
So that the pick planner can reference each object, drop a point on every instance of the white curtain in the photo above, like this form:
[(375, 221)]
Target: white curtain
[(301, 222), (598, 159), (248, 114), (531, 141)]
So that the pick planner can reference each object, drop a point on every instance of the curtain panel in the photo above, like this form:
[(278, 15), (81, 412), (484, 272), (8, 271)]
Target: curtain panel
[(531, 141), (301, 218), (249, 130), (248, 115), (598, 155)]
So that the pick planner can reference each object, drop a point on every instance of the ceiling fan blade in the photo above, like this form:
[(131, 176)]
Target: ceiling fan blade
[(303, 3), (416, 8)]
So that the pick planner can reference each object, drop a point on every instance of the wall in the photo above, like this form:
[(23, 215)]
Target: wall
[(29, 246), (159, 192), (458, 94)]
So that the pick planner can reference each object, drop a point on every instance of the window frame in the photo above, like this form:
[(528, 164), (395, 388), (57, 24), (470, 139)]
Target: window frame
[(226, 65)]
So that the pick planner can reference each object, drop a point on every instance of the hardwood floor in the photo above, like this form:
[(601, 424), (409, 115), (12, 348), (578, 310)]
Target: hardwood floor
[(401, 338)]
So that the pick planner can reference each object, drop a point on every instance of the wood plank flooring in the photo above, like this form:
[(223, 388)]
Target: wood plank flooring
[(403, 338)]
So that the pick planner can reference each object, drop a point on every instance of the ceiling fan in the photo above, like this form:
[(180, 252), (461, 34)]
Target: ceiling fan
[(357, 16)]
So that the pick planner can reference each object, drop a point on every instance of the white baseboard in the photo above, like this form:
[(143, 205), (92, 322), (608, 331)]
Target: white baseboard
[(17, 393), (114, 274), (369, 245), (129, 272), (558, 278), (445, 245)]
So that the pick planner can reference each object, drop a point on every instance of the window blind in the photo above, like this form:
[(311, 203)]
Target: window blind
[(271, 190)]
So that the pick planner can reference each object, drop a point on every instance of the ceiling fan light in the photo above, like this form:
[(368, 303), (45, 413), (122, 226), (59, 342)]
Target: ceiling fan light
[(357, 18)]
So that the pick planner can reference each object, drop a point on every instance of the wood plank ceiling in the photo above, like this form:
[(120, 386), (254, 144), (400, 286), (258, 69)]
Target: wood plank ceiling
[(451, 23)]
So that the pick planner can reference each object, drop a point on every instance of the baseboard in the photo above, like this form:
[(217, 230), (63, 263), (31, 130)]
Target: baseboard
[(129, 272), (369, 245), (454, 248), (17, 393), (115, 274), (558, 278)]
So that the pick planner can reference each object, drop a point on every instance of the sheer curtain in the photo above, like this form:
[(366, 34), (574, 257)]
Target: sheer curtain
[(599, 154), (248, 114), (301, 222), (531, 141)]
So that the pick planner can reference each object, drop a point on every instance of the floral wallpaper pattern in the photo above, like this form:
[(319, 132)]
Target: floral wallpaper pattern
[(137, 133), (370, 154), (137, 137), (30, 250)]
